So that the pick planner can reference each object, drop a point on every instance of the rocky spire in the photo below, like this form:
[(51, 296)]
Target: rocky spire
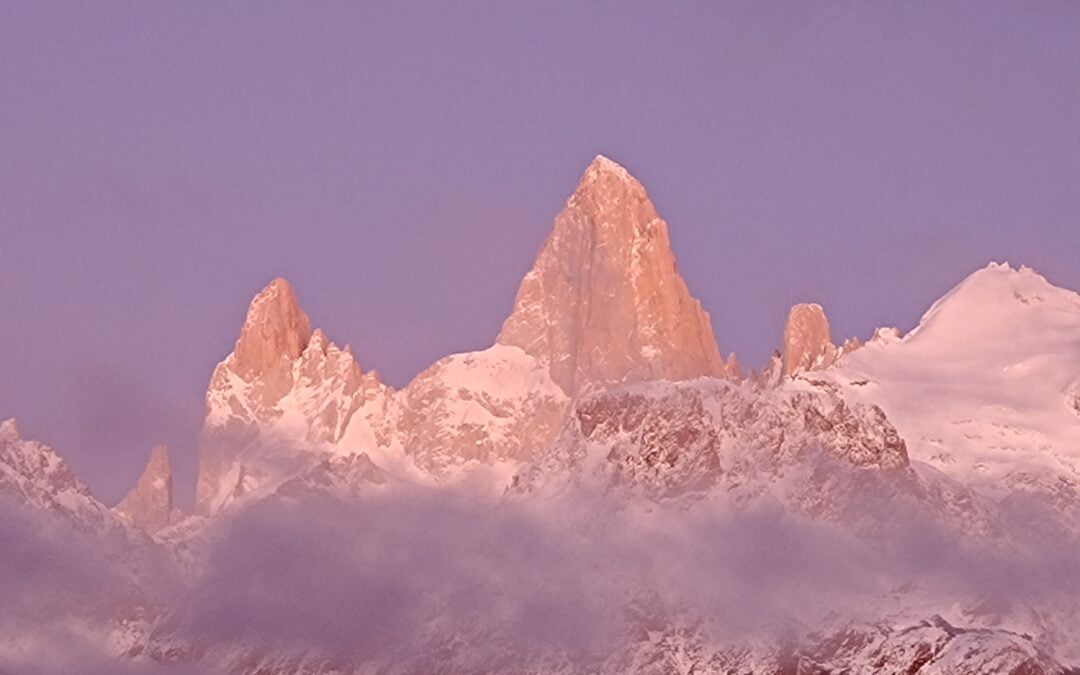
[(807, 340), (149, 506), (284, 389), (733, 368), (604, 301), (9, 429), (274, 335)]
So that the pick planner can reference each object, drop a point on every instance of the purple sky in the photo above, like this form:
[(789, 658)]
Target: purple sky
[(159, 163)]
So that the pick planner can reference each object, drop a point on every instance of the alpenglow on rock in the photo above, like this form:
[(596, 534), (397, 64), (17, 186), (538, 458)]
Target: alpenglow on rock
[(149, 506), (284, 391), (274, 335), (807, 340), (604, 301)]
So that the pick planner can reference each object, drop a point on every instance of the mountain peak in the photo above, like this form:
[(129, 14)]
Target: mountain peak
[(149, 506), (9, 429), (605, 166), (604, 301), (993, 303), (276, 329), (275, 333), (605, 184), (807, 339)]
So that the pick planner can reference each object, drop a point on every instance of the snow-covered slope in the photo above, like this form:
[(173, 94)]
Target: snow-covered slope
[(74, 575), (667, 440), (33, 475), (985, 389), (604, 303), (496, 407)]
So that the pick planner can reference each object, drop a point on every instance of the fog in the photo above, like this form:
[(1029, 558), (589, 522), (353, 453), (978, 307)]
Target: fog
[(399, 574)]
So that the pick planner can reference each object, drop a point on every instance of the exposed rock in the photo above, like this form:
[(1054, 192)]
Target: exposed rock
[(850, 345), (886, 334), (605, 301), (282, 393), (672, 439), (149, 506), (807, 340), (9, 430), (733, 368), (275, 333), (772, 374), (932, 646)]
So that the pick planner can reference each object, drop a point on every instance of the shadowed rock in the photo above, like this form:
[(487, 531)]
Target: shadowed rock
[(149, 506)]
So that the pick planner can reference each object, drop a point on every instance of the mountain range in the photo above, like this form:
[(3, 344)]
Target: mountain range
[(599, 491)]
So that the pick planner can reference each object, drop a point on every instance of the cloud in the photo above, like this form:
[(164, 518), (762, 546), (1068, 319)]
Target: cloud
[(411, 576), (391, 575)]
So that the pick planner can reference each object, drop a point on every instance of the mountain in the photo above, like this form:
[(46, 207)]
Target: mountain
[(984, 389), (149, 506), (78, 580), (596, 492), (493, 408), (283, 390), (807, 340), (34, 476), (670, 439), (605, 301)]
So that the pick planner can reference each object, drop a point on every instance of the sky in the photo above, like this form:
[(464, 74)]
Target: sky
[(401, 163)]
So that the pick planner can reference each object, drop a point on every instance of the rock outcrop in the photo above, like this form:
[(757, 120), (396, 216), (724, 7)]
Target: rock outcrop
[(669, 439), (149, 506), (284, 392), (807, 340), (275, 333), (605, 301)]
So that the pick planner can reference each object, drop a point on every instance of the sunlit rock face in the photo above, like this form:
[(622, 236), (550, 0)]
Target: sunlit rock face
[(273, 337), (807, 340), (284, 392), (149, 506), (605, 301)]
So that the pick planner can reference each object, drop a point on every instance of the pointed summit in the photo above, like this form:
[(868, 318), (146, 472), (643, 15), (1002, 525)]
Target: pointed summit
[(604, 301), (991, 304), (283, 390), (34, 475), (150, 505), (603, 167), (276, 329), (807, 339)]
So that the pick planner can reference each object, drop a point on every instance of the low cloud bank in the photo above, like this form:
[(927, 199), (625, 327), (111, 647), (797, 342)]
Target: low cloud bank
[(392, 574), (402, 572)]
